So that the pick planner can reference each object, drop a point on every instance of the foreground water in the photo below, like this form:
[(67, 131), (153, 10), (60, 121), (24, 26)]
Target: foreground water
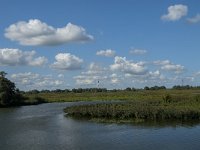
[(45, 127)]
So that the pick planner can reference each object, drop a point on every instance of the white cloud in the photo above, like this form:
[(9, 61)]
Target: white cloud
[(93, 74), (138, 51), (86, 80), (150, 77), (35, 32), (25, 76), (175, 12), (154, 74), (14, 57), (115, 79), (94, 69), (97, 76), (114, 75), (161, 62), (106, 53), (61, 75), (67, 61), (168, 66), (30, 81), (39, 61), (197, 74), (195, 19), (125, 66), (173, 67)]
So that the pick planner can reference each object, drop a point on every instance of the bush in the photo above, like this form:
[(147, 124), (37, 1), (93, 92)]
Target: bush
[(167, 98)]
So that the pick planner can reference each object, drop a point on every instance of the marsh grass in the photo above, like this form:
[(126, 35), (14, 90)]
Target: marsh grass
[(110, 95), (137, 105), (168, 107)]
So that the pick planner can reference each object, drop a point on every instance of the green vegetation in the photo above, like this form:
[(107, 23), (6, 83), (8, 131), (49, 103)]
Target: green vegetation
[(180, 106), (91, 94), (130, 95), (11, 96)]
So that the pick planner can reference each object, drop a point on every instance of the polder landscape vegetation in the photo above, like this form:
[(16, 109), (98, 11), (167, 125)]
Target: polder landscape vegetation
[(123, 105)]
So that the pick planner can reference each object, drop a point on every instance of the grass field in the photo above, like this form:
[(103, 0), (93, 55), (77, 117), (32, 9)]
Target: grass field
[(141, 105), (110, 95)]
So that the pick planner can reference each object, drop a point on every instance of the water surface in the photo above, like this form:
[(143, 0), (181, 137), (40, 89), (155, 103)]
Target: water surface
[(45, 127)]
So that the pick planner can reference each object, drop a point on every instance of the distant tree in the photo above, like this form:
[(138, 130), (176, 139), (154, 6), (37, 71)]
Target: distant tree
[(155, 88), (146, 88), (185, 87), (9, 95), (58, 91), (163, 87), (33, 92), (128, 89), (133, 89), (114, 90), (45, 91), (67, 90)]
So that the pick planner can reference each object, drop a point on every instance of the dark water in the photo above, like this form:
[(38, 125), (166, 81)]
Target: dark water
[(44, 127)]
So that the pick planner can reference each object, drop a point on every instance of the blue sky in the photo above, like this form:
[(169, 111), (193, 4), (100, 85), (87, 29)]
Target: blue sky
[(73, 43)]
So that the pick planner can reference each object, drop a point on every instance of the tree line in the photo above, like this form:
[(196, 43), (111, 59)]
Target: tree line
[(82, 90)]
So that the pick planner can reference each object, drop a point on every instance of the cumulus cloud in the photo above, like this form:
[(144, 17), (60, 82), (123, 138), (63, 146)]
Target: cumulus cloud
[(61, 75), (35, 32), (94, 69), (138, 51), (126, 73), (168, 66), (175, 12), (30, 81), (98, 76), (93, 74), (106, 53), (126, 66), (67, 61), (197, 73), (194, 19), (15, 57), (151, 78), (86, 80), (115, 79), (161, 62), (173, 67), (156, 76)]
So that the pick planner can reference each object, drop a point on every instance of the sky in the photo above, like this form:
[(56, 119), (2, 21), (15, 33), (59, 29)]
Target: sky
[(65, 44)]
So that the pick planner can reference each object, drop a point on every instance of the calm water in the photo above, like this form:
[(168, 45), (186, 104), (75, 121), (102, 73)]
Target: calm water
[(44, 127)]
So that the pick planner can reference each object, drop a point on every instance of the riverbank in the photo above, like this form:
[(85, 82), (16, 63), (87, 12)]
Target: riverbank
[(168, 107), (27, 101)]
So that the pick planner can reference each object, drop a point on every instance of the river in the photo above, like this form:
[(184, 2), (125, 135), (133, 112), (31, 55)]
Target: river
[(44, 127)]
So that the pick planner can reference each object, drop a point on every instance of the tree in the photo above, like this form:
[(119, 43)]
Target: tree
[(128, 89), (2, 74), (9, 95)]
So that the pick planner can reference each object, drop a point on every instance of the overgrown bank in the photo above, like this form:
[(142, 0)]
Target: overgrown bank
[(168, 108)]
